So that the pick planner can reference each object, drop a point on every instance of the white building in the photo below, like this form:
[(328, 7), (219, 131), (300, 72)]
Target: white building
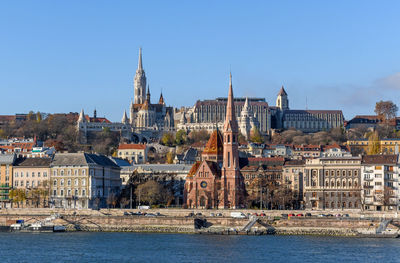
[(380, 182)]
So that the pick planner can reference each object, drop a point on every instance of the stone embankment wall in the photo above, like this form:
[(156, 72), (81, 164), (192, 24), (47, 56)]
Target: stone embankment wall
[(176, 222)]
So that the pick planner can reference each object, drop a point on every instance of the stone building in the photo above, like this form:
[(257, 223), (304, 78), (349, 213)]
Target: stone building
[(82, 180), (380, 177), (32, 174), (293, 178), (136, 153), (216, 181), (247, 120), (304, 120), (332, 183)]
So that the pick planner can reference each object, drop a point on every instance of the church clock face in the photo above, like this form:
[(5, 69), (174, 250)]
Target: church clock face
[(203, 184)]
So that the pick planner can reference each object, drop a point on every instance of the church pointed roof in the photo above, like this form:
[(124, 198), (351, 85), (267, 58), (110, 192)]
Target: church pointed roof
[(140, 64), (215, 144), (161, 101), (146, 105), (124, 117), (282, 92)]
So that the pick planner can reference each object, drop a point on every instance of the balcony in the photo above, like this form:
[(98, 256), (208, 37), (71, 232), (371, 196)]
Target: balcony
[(368, 186), (368, 179)]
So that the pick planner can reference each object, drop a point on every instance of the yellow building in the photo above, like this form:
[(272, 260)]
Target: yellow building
[(6, 172), (387, 146)]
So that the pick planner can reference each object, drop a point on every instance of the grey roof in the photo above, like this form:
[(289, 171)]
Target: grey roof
[(7, 158), (164, 167), (190, 155), (120, 162), (81, 159), (34, 162)]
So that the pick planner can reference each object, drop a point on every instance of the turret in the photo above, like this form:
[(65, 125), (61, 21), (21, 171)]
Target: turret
[(282, 101)]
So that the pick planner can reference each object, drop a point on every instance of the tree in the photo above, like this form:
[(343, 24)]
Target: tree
[(167, 139), (180, 137), (153, 193), (374, 146), (255, 135), (123, 202), (170, 157), (198, 136), (387, 110), (111, 200), (17, 196)]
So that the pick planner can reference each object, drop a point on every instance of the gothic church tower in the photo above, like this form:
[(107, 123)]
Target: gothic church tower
[(233, 185), (140, 82), (282, 101)]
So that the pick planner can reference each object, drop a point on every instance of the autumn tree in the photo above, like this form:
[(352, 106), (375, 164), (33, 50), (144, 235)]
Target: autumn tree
[(153, 193), (255, 135), (374, 146), (170, 157), (167, 139), (198, 136), (387, 110)]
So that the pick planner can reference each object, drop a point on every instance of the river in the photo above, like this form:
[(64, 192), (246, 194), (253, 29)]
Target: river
[(135, 247)]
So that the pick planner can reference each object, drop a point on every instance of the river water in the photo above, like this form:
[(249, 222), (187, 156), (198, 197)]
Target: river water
[(133, 247)]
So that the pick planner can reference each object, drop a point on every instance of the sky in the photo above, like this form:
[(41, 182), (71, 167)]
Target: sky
[(64, 56)]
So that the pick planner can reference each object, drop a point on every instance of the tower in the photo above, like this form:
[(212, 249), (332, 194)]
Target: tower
[(233, 186), (282, 101), (139, 82)]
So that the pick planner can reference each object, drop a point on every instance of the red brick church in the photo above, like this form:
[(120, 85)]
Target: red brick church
[(216, 181)]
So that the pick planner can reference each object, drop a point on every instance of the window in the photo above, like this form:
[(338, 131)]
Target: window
[(15, 183), (27, 184), (54, 192), (22, 174), (38, 174), (44, 174), (16, 174), (76, 192), (76, 182), (83, 192), (55, 183), (27, 174), (69, 182), (76, 172), (55, 172), (62, 172), (33, 183), (62, 182), (83, 182), (62, 192), (69, 172), (33, 174), (83, 172), (69, 192)]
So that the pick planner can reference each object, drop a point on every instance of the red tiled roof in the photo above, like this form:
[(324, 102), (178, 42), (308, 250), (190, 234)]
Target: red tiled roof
[(132, 147), (380, 159)]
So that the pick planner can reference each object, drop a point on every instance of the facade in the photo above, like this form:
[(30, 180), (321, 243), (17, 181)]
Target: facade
[(247, 120), (380, 180), (304, 120), (7, 162), (136, 153), (216, 181), (387, 146), (82, 180), (293, 178), (33, 176), (332, 183), (208, 113)]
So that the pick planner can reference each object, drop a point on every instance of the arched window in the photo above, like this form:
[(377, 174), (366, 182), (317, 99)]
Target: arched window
[(343, 173), (355, 183), (55, 182), (350, 205), (62, 172), (332, 173), (337, 173), (355, 204), (349, 183), (332, 204), (344, 183), (332, 183), (344, 205), (337, 183), (326, 183)]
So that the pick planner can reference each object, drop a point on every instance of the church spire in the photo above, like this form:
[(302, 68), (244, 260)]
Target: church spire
[(148, 93), (140, 65), (230, 119)]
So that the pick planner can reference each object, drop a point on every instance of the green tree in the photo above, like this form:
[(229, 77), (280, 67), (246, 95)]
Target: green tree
[(180, 137)]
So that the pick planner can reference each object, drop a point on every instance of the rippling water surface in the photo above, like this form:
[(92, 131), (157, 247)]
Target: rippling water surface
[(132, 247)]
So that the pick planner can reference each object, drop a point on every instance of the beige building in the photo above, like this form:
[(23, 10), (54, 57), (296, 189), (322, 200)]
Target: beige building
[(332, 183), (136, 153), (82, 180), (32, 174), (292, 176), (6, 171)]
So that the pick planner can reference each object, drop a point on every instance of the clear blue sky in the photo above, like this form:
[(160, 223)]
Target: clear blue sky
[(61, 56)]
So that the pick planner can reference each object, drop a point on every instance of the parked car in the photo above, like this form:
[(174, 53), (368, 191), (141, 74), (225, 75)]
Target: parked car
[(150, 215), (321, 215), (346, 215), (308, 215), (299, 215), (329, 215), (255, 214), (126, 213), (284, 216), (291, 215), (219, 214), (262, 214), (190, 215), (238, 215), (199, 214), (212, 214), (338, 215)]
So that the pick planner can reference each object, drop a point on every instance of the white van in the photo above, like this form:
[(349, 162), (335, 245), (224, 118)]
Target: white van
[(238, 215)]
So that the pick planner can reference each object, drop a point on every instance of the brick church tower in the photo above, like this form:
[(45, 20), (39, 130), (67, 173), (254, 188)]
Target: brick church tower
[(232, 180)]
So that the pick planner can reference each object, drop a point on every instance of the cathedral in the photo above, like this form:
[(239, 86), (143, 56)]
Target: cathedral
[(216, 181), (144, 117), (143, 114)]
